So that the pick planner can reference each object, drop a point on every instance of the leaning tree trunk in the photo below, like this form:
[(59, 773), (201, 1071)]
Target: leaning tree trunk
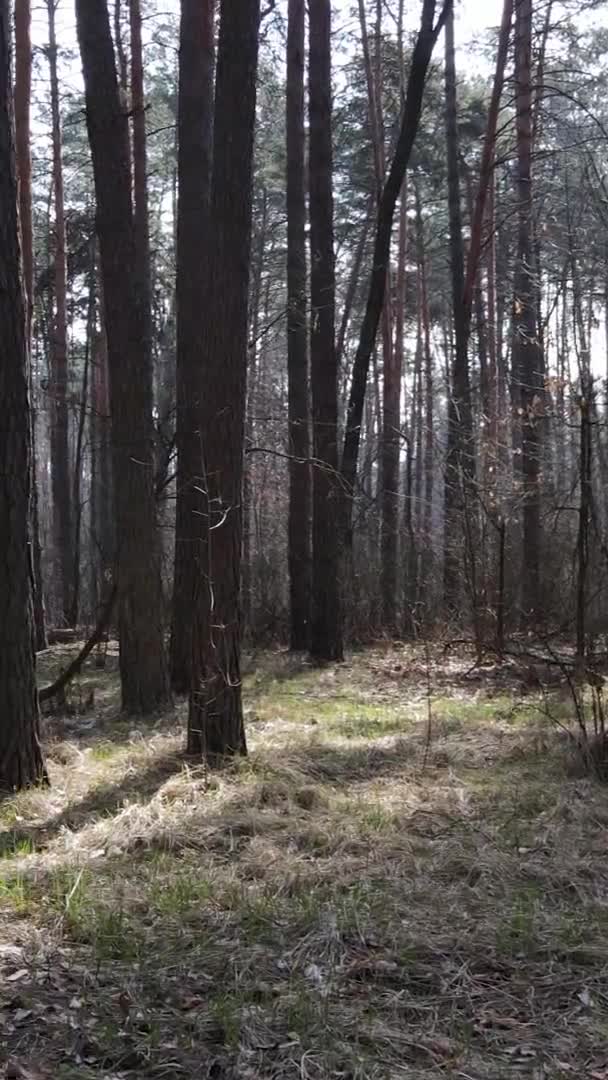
[(142, 657), (195, 131), (527, 353), (421, 58), (23, 94), (215, 721), (21, 761), (297, 338), (326, 638), (63, 527)]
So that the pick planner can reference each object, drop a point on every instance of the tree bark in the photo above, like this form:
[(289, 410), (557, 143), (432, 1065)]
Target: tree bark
[(140, 167), (143, 670), (423, 49), (215, 720), (297, 337), (460, 463), (527, 355), (326, 637), (23, 94), (195, 136), (21, 761), (63, 524)]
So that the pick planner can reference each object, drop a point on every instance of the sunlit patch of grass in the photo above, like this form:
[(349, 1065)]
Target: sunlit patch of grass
[(17, 892), (104, 751)]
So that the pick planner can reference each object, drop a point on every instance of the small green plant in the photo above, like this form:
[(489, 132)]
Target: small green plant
[(14, 845)]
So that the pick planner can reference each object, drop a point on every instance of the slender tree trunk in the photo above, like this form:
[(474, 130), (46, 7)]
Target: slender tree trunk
[(63, 524), (326, 640), (486, 180), (429, 476), (215, 722), (391, 389), (80, 435), (460, 450), (142, 657), (23, 94), (195, 135), (423, 49), (101, 479), (21, 761), (584, 514), (527, 357), (391, 441), (297, 337)]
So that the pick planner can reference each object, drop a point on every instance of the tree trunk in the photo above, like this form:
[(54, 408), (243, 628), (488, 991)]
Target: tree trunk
[(326, 638), (63, 526), (391, 441), (215, 721), (23, 94), (140, 167), (142, 658), (527, 357), (460, 463), (101, 468), (21, 761), (195, 135), (423, 49), (297, 335)]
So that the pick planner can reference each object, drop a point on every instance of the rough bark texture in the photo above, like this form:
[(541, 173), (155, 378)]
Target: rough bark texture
[(423, 49), (142, 661), (21, 761), (140, 167), (63, 525), (527, 354), (195, 132), (215, 721), (23, 94), (297, 338), (460, 451), (326, 638)]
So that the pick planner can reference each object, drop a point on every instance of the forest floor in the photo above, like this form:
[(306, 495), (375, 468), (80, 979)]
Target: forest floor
[(408, 877)]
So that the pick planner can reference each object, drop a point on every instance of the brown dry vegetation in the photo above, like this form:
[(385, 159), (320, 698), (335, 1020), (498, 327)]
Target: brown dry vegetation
[(354, 900)]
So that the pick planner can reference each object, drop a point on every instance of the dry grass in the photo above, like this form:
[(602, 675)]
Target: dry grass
[(334, 906)]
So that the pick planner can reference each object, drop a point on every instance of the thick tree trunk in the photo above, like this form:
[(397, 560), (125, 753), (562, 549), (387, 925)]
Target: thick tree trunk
[(23, 93), (21, 761), (326, 638), (195, 133), (63, 524), (140, 167), (423, 49), (215, 721), (460, 464), (142, 658), (297, 338), (527, 355)]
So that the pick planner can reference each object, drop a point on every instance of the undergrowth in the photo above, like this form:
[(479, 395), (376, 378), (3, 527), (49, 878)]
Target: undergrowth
[(361, 897)]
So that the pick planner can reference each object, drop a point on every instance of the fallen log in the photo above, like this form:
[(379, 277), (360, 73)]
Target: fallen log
[(58, 686)]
